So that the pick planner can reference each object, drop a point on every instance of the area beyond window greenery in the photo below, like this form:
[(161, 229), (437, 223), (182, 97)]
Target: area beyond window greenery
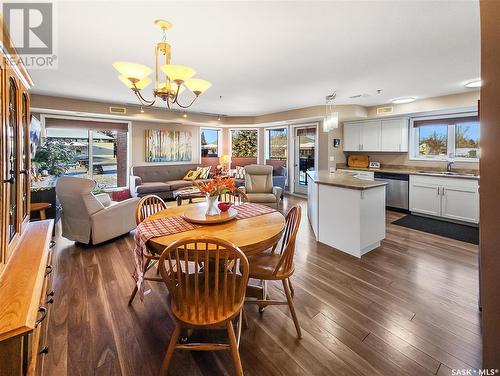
[(276, 143), (446, 138), (209, 142), (244, 143), (97, 154)]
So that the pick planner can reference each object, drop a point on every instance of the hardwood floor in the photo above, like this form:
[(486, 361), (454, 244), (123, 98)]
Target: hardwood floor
[(407, 308)]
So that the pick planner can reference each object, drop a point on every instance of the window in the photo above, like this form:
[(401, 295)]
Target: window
[(441, 138), (277, 144), (99, 154), (244, 147), (467, 140), (209, 142)]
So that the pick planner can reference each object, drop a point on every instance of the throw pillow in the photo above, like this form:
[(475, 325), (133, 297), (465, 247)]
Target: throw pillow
[(120, 195), (191, 175), (204, 172), (240, 173)]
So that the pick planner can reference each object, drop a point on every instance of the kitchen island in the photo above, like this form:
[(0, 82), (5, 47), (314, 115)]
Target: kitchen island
[(345, 212)]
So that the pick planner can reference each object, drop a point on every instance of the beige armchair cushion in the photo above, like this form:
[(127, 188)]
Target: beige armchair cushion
[(92, 218), (259, 184)]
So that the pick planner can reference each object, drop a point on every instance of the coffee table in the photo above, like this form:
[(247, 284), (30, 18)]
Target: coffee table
[(187, 194)]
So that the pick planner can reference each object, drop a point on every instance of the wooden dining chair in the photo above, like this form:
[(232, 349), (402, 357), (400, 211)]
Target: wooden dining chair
[(147, 206), (207, 280), (236, 197), (277, 264)]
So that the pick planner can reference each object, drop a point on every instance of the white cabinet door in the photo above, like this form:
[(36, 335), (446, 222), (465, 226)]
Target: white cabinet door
[(370, 135), (394, 135), (424, 197), (352, 137), (460, 203)]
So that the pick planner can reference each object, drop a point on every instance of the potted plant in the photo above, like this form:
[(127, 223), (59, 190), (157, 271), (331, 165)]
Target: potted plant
[(213, 189)]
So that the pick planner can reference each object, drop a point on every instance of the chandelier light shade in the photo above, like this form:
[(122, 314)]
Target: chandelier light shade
[(197, 85), (170, 79), (331, 120), (132, 70), (178, 73)]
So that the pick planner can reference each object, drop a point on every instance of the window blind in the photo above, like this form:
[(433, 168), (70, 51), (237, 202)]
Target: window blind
[(85, 124)]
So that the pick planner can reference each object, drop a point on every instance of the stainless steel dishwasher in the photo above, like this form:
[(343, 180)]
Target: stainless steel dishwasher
[(396, 191)]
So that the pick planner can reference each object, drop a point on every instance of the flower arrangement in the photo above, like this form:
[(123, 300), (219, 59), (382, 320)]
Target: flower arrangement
[(216, 186)]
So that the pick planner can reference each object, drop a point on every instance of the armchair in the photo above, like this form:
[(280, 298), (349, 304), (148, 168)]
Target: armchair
[(89, 218), (259, 185)]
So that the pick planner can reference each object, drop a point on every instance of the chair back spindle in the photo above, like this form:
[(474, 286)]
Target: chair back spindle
[(287, 251), (207, 279), (236, 197), (148, 206)]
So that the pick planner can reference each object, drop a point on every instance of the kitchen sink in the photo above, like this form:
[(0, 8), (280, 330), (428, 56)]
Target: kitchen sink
[(448, 173)]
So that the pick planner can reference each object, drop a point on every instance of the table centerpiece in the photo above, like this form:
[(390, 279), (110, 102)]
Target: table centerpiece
[(213, 189)]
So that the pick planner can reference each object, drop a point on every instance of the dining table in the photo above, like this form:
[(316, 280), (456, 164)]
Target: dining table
[(252, 235)]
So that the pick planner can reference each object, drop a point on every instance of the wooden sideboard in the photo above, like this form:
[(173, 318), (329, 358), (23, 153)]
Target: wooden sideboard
[(25, 269), (25, 299)]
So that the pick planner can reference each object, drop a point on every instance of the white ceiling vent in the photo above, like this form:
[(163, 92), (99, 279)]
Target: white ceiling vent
[(359, 96)]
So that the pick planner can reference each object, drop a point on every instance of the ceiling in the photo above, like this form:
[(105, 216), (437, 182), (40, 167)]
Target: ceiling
[(264, 57)]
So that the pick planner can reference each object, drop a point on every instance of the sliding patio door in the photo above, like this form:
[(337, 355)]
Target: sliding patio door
[(304, 155)]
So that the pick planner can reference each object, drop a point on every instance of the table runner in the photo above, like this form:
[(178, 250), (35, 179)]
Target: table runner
[(173, 225)]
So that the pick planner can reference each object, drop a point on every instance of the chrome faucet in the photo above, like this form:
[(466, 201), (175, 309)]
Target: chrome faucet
[(449, 165)]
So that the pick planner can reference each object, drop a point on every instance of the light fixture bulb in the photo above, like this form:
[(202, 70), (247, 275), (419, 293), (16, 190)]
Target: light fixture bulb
[(142, 110), (218, 118), (184, 115), (403, 100), (474, 84)]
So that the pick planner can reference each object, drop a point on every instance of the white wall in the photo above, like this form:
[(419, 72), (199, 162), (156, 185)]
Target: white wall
[(138, 141)]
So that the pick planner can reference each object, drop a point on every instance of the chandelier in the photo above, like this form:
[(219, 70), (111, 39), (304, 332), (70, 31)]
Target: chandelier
[(331, 120), (170, 79)]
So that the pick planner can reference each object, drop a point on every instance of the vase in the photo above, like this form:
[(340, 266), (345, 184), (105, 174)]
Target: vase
[(212, 202)]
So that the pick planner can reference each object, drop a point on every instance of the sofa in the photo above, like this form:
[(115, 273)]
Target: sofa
[(160, 180), (89, 218)]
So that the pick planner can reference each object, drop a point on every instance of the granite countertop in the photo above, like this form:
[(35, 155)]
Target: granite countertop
[(408, 170), (343, 180)]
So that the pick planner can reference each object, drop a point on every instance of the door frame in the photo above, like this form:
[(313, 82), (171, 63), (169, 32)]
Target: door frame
[(292, 147)]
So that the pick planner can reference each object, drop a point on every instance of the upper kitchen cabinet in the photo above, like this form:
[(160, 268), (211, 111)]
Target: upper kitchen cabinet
[(388, 135), (352, 137), (370, 135), (394, 135)]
